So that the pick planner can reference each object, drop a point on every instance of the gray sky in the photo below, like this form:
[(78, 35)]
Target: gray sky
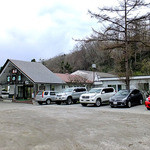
[(43, 28)]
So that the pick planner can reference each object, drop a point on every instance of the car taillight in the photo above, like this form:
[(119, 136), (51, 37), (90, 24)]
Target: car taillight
[(42, 94)]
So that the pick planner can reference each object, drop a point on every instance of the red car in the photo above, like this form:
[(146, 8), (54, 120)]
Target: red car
[(147, 103)]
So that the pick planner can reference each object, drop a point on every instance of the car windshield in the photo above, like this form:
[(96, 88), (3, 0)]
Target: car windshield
[(95, 90), (123, 93), (68, 90)]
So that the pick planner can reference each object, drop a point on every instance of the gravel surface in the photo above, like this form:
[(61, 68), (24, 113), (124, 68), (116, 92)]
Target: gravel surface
[(73, 127)]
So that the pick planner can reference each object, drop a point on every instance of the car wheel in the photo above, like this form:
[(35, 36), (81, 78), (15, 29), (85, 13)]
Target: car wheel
[(58, 103), (40, 103), (111, 106), (141, 101), (84, 104), (129, 104), (148, 108), (48, 101), (69, 101), (98, 103)]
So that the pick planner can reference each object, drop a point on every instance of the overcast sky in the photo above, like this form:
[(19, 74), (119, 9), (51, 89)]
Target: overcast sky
[(42, 29)]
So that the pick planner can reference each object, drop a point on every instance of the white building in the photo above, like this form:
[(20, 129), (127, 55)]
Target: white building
[(107, 80)]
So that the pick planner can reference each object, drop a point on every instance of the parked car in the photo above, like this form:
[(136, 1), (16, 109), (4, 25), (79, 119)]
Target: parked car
[(97, 96), (46, 96), (4, 95), (147, 103), (126, 98), (70, 95)]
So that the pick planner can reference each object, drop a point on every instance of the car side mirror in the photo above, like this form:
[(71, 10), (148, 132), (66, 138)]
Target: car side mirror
[(132, 94), (103, 92)]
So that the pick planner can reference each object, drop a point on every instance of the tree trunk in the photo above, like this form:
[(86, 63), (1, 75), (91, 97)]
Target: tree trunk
[(127, 80)]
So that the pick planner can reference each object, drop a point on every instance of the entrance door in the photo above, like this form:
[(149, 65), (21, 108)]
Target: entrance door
[(20, 91), (28, 90)]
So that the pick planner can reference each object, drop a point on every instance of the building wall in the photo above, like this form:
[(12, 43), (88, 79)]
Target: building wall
[(142, 84), (118, 85), (48, 87)]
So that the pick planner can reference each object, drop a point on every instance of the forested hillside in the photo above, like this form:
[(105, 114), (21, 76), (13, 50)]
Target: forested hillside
[(85, 54)]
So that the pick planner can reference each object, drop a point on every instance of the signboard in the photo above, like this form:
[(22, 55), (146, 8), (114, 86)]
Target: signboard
[(26, 82), (14, 71), (94, 66)]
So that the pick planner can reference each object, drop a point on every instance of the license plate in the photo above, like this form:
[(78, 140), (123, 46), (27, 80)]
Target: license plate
[(114, 103)]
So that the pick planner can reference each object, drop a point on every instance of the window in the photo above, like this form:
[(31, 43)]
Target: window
[(103, 91), (75, 90), (119, 87), (135, 92), (109, 90), (46, 93), (114, 86), (52, 87), (95, 90), (52, 93), (19, 77), (8, 79), (42, 87), (63, 86), (13, 78), (80, 90), (83, 89), (143, 86)]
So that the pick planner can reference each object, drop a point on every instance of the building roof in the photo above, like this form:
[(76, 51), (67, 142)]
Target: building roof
[(69, 78), (34, 71), (90, 75)]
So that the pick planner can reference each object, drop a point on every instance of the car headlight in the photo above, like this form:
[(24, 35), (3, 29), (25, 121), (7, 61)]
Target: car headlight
[(124, 99), (110, 99), (147, 99)]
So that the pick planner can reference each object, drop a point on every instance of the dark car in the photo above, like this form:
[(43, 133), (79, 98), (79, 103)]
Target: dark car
[(126, 98)]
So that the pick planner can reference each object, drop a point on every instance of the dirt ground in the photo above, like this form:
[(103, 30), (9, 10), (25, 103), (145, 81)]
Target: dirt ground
[(73, 127)]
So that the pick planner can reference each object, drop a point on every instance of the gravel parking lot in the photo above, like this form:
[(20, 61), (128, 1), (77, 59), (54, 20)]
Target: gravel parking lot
[(73, 127)]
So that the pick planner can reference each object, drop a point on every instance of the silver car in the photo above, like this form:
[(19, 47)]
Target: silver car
[(46, 96), (70, 95)]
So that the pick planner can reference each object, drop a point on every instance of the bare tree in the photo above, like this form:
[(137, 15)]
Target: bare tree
[(118, 26), (79, 80)]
